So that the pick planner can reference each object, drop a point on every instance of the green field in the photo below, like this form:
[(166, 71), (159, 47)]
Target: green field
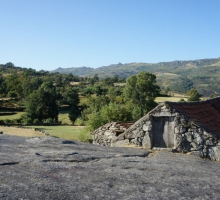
[(67, 132), (11, 117), (63, 116)]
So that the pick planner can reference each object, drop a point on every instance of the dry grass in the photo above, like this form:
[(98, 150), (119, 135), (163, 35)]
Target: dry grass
[(171, 75), (21, 132), (65, 132), (172, 99), (74, 83)]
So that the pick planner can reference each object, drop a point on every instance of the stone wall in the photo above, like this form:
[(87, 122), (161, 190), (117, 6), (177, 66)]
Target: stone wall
[(188, 136), (111, 134)]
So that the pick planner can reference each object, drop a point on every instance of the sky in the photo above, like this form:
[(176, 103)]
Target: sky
[(47, 34)]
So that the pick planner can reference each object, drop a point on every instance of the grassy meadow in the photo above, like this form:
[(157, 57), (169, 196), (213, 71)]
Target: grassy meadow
[(17, 115), (65, 131)]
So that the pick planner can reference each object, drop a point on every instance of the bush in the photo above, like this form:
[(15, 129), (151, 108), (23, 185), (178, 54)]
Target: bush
[(95, 120), (108, 113), (36, 121), (79, 122), (85, 137), (7, 121), (25, 119), (49, 121), (16, 121), (181, 100), (193, 95)]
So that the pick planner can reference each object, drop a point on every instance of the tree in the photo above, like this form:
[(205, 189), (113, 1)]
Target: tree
[(13, 85), (193, 95), (167, 90), (112, 94), (30, 84), (74, 113), (71, 97), (2, 86), (141, 90), (94, 79), (41, 104), (101, 90), (109, 81)]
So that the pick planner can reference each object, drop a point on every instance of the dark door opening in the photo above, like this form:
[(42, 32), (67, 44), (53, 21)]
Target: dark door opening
[(163, 132)]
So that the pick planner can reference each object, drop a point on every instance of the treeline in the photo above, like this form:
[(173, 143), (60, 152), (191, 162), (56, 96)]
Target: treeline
[(90, 101)]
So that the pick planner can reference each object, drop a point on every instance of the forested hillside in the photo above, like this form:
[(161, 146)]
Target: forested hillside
[(178, 76)]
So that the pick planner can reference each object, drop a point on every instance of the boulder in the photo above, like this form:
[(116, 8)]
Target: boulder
[(214, 153), (120, 143), (146, 142)]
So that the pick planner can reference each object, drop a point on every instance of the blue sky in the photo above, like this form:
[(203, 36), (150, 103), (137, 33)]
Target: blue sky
[(47, 34)]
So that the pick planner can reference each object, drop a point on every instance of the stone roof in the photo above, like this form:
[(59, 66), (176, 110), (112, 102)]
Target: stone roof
[(205, 113), (115, 126)]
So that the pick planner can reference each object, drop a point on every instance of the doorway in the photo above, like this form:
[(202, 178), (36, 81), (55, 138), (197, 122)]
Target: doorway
[(163, 132)]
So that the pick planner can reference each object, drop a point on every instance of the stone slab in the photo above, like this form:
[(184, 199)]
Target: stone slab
[(52, 168)]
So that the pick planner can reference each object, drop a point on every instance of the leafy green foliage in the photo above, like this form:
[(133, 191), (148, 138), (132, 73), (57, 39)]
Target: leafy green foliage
[(41, 104), (108, 113), (112, 93), (99, 90), (85, 137), (70, 97), (74, 113), (141, 90), (181, 100), (181, 85), (193, 95)]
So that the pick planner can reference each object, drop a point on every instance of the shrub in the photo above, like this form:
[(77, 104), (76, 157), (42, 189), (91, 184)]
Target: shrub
[(85, 137), (25, 119), (49, 121), (7, 121), (36, 121), (79, 122), (182, 100)]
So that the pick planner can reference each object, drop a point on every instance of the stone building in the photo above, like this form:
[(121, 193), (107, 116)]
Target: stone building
[(182, 127)]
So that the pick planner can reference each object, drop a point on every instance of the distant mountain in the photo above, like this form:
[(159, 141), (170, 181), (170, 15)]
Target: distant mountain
[(125, 70), (179, 76), (79, 71)]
